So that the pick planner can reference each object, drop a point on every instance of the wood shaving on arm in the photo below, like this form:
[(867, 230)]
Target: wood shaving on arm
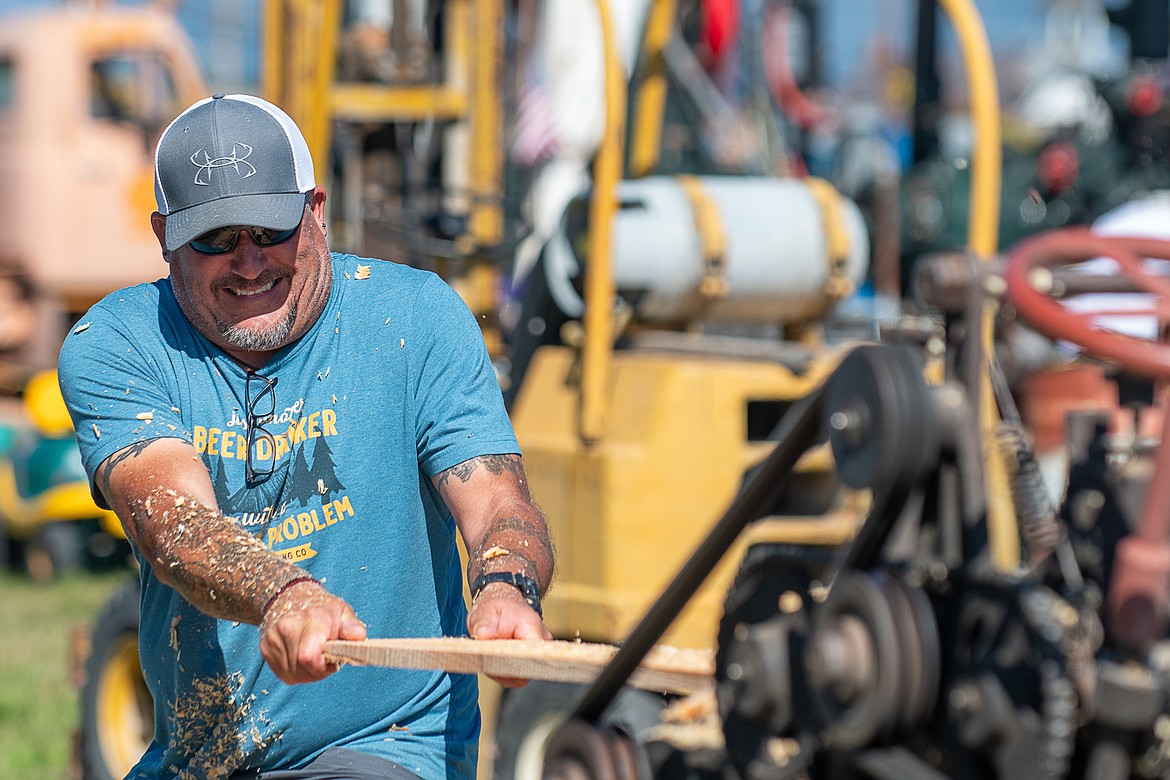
[(219, 567), (164, 497)]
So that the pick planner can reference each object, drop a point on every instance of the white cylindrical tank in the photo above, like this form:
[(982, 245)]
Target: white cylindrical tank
[(776, 265)]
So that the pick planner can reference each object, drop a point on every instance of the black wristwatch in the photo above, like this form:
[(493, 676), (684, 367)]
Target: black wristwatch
[(526, 585)]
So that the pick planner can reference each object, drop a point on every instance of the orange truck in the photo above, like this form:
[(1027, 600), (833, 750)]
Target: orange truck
[(84, 92)]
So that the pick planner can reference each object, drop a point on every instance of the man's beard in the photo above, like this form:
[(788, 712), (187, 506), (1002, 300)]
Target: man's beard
[(259, 339)]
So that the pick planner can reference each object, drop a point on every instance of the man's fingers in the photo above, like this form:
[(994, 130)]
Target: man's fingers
[(505, 620), (352, 629), (293, 644)]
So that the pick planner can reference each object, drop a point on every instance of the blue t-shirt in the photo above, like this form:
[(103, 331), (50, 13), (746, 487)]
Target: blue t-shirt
[(391, 386)]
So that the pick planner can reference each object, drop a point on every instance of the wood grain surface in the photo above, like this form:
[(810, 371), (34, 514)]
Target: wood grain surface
[(665, 669)]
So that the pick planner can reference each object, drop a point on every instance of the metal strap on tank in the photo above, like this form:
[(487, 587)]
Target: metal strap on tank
[(712, 240), (838, 285)]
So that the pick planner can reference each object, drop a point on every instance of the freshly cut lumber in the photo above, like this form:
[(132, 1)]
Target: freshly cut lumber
[(666, 669)]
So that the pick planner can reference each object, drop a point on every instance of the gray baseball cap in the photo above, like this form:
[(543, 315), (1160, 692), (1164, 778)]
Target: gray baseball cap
[(231, 160)]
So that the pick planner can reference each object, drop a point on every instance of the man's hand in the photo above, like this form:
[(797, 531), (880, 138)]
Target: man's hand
[(296, 626), (500, 612)]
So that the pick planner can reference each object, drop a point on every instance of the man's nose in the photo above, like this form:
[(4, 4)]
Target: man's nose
[(248, 258)]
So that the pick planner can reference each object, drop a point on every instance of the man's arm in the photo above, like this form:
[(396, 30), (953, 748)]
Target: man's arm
[(164, 497), (504, 531)]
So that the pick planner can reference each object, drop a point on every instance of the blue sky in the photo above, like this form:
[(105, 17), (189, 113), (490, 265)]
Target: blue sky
[(225, 32)]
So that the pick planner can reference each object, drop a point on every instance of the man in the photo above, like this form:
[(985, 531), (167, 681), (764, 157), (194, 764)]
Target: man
[(290, 438)]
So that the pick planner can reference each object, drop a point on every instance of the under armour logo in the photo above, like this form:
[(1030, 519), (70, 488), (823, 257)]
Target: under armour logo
[(236, 160)]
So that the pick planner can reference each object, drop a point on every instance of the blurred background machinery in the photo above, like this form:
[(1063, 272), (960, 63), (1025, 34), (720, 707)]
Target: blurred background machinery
[(673, 234)]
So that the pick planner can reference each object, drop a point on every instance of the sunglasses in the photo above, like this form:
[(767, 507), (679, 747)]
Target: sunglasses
[(223, 240)]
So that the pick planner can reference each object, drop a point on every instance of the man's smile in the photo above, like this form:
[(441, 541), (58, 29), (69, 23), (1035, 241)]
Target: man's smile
[(248, 292)]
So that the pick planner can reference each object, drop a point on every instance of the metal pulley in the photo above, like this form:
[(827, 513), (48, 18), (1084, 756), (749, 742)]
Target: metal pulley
[(881, 420), (580, 750), (872, 660)]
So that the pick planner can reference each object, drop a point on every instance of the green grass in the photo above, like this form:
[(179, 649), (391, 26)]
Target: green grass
[(39, 710)]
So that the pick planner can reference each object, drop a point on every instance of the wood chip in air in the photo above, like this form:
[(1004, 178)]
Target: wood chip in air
[(145, 416), (362, 272), (80, 328), (96, 432)]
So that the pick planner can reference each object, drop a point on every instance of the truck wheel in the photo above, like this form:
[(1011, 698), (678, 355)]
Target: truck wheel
[(5, 547), (117, 711), (54, 549), (528, 716)]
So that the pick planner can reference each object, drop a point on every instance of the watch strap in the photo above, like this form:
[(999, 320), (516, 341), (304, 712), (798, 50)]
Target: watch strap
[(526, 585)]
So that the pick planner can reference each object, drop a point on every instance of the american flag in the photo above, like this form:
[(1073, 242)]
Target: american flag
[(534, 136)]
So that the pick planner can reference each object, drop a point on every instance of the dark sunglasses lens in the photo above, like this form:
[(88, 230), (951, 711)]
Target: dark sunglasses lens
[(266, 237), (215, 242), (223, 240)]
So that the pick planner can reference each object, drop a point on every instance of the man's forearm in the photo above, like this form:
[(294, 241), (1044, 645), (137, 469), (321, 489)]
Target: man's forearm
[(516, 543), (504, 529), (208, 558)]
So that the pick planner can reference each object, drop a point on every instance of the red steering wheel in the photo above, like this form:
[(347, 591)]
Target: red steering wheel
[(1031, 291)]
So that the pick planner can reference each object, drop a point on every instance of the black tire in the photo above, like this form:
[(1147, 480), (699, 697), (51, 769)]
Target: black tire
[(117, 712), (55, 549), (528, 716), (5, 547)]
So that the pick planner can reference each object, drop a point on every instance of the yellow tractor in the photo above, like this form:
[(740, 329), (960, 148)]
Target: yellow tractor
[(659, 335), (49, 522)]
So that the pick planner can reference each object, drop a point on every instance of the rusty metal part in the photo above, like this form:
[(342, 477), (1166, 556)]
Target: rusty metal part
[(919, 651), (1138, 600), (945, 280), (852, 662), (872, 660)]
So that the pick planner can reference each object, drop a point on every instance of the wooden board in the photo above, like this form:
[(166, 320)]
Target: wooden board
[(665, 669)]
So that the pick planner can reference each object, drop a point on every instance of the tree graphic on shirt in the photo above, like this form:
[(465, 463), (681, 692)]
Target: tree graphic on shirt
[(325, 470), (301, 482), (316, 482)]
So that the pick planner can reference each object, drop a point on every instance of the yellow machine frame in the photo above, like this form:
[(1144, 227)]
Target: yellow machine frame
[(632, 453), (300, 50)]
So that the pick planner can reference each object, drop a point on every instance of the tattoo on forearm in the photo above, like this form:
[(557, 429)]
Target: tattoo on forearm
[(495, 464), (525, 525), (515, 542)]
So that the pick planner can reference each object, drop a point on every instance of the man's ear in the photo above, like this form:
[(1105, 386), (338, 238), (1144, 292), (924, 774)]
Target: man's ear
[(158, 223), (317, 203)]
